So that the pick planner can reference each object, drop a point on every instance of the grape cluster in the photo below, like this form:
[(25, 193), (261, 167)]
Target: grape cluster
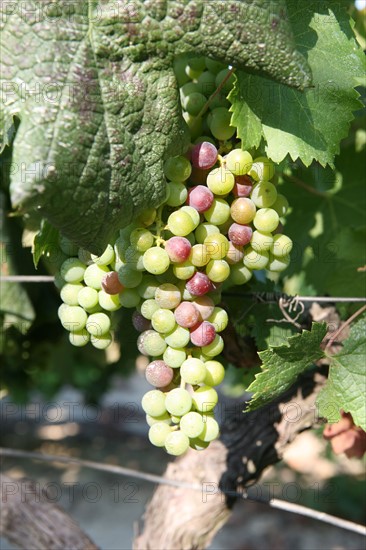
[(219, 223)]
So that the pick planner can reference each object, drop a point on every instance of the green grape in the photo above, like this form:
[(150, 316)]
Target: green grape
[(158, 433), (217, 270), (85, 256), (106, 258), (215, 373), (197, 444), (103, 341), (206, 83), (261, 241), (194, 103), (184, 270), (178, 402), (167, 296), (194, 124), (134, 259), (88, 298), (177, 168), (220, 181), (281, 205), (176, 443), (156, 260), (165, 417), (129, 277), (215, 348), (163, 320), (204, 230), (219, 318), (239, 274), (147, 217), (154, 344), (211, 430), (73, 318), (228, 84), (192, 212), (217, 246), (262, 169), (129, 297), (193, 371), (218, 213), (67, 246), (204, 399), (192, 424), (266, 220), (281, 246), (141, 239), (153, 403), (94, 274), (147, 287), (254, 259), (69, 293), (238, 162), (98, 324), (264, 194), (180, 223), (174, 357), (220, 124), (109, 302), (72, 270), (199, 255), (214, 66), (148, 308), (178, 194), (178, 338), (179, 66), (186, 90), (79, 338), (278, 264)]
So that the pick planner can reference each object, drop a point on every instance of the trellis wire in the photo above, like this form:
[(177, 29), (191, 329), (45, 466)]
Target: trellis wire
[(120, 470), (267, 297)]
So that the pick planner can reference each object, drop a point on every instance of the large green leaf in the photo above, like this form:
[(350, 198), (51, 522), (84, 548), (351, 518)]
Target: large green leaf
[(307, 125), (283, 364), (346, 385), (93, 85)]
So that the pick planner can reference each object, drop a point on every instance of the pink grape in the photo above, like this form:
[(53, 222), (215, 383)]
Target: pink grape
[(200, 198), (243, 186), (199, 284), (140, 322), (235, 253), (204, 155), (159, 374), (240, 234), (203, 334), (178, 249), (205, 306), (186, 315), (110, 283)]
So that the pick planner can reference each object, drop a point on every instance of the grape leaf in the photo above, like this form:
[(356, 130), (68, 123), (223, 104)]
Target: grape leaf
[(282, 364), (307, 125), (46, 235), (346, 384), (327, 222), (93, 85)]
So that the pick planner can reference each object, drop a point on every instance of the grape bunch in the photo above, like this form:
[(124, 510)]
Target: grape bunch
[(219, 224)]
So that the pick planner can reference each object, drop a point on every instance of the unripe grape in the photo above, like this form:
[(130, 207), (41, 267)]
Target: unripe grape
[(218, 213), (178, 402), (254, 259), (218, 270), (184, 270), (199, 255), (217, 246), (220, 181), (204, 230), (266, 220), (106, 258), (177, 168), (204, 399), (94, 274), (262, 169), (176, 443), (69, 293), (129, 298), (98, 324), (141, 239), (278, 264), (139, 322), (239, 162), (108, 302), (180, 223), (220, 124), (186, 315), (167, 296), (73, 318), (215, 348), (205, 306), (192, 424), (177, 338), (72, 270), (281, 205), (264, 194), (156, 260), (219, 318), (243, 210), (79, 338), (211, 430), (174, 357), (281, 245), (103, 341), (203, 334), (153, 403), (193, 371), (158, 433), (215, 373), (163, 320), (240, 274), (159, 374)]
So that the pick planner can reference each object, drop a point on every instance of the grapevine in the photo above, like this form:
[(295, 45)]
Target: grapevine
[(220, 223)]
